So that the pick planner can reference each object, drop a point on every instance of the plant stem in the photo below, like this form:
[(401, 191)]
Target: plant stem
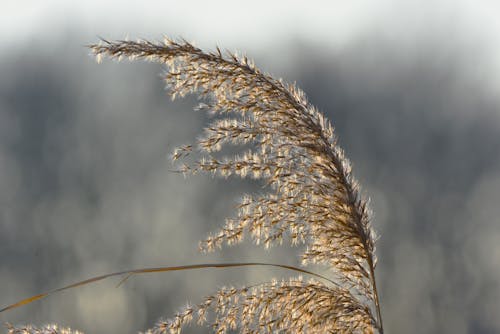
[(375, 292)]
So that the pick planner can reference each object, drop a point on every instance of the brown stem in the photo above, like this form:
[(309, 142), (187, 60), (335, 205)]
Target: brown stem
[(129, 273), (375, 292)]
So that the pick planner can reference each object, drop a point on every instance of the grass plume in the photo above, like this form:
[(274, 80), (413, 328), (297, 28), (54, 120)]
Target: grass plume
[(313, 199)]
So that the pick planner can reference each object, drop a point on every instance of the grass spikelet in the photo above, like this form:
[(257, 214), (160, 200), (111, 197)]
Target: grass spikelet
[(47, 329), (312, 200)]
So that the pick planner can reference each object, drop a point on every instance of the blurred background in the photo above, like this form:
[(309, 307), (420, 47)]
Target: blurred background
[(412, 88)]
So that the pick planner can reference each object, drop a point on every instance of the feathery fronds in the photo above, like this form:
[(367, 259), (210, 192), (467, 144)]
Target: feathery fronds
[(313, 198), (47, 329), (293, 306)]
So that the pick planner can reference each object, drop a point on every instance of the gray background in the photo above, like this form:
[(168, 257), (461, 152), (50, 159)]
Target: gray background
[(85, 183)]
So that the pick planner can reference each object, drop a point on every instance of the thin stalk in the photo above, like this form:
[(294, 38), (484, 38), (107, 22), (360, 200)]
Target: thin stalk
[(375, 292), (129, 273)]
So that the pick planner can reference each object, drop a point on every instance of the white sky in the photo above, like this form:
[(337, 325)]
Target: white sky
[(262, 26), (255, 22)]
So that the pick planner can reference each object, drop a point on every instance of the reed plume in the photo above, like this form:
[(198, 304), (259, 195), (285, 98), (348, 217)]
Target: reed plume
[(47, 329), (312, 200)]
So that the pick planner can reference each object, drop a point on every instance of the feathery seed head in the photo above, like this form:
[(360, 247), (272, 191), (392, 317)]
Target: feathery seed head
[(313, 199)]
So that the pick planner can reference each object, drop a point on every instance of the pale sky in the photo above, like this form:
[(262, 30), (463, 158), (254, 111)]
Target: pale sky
[(242, 23), (263, 26)]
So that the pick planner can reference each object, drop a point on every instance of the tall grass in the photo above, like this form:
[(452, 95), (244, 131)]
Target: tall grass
[(312, 199)]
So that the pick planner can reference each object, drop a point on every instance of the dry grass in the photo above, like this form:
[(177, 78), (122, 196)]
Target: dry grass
[(313, 199)]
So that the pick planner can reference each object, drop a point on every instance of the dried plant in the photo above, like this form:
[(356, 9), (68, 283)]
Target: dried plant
[(313, 199), (47, 329)]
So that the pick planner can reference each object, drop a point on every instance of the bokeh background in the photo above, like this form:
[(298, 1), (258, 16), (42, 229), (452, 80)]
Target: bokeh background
[(412, 88)]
